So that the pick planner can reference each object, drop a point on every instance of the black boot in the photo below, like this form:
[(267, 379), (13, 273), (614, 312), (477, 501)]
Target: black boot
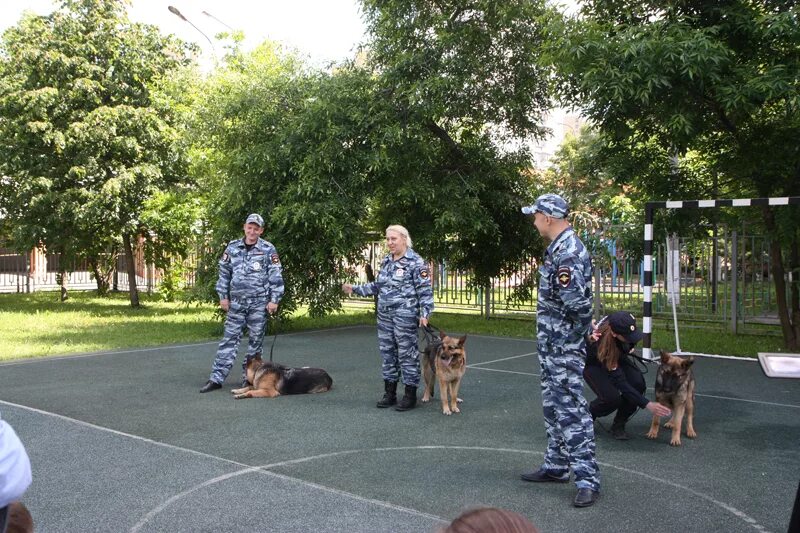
[(618, 430), (390, 396), (409, 399)]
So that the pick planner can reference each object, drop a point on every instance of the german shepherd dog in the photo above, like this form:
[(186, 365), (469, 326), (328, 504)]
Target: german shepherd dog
[(446, 360), (675, 389), (268, 380)]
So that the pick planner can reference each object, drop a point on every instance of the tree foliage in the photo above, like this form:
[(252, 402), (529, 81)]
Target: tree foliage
[(83, 142), (331, 158), (712, 84)]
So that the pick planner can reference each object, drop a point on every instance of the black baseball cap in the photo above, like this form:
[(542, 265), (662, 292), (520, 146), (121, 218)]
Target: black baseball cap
[(624, 324)]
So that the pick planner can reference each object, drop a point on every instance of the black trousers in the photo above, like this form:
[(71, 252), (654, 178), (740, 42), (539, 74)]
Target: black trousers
[(609, 398)]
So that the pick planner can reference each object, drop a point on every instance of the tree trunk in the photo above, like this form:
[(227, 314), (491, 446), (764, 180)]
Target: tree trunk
[(63, 279), (789, 331), (134, 292), (103, 279), (370, 278)]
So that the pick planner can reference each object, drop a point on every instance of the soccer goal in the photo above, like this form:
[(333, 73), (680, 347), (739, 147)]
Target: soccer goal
[(649, 210)]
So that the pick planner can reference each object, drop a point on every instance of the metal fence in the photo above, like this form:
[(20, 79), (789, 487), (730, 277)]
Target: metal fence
[(38, 271), (725, 280)]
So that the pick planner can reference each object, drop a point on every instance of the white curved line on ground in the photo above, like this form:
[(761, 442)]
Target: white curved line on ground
[(264, 469), (729, 508), (473, 365), (246, 469), (504, 371), (760, 402), (155, 348)]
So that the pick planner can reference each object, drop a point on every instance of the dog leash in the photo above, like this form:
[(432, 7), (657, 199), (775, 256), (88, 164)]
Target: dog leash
[(275, 337), (430, 333)]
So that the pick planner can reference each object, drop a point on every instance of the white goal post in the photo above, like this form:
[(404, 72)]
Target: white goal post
[(650, 207)]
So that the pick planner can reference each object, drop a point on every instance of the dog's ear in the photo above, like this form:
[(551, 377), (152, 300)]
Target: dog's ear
[(664, 356), (462, 340), (689, 361), (442, 334)]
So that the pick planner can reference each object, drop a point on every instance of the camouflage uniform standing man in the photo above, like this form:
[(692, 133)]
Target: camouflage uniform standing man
[(563, 319), (250, 285), (405, 302)]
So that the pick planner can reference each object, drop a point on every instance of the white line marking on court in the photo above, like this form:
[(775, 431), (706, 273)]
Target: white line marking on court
[(714, 356), (120, 433), (476, 367), (246, 469), (95, 354), (521, 339), (733, 510), (166, 503), (748, 401), (473, 365), (154, 348), (506, 371), (263, 470), (740, 399)]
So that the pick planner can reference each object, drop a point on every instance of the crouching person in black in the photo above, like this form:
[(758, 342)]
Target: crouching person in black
[(613, 375)]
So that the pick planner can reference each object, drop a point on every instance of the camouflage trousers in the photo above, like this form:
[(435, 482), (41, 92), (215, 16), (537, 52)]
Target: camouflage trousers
[(397, 342), (570, 431), (250, 312)]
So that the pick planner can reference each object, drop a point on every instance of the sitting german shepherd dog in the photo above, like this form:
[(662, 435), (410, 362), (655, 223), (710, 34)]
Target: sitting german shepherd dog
[(675, 389), (446, 359), (268, 380)]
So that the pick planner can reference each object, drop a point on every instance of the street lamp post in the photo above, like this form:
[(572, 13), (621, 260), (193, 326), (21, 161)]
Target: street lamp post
[(174, 10), (206, 13)]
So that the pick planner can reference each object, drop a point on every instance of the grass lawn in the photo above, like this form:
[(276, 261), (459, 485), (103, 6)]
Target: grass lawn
[(38, 325)]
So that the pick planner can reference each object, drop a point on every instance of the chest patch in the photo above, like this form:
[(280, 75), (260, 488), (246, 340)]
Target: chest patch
[(256, 266), (564, 276), (399, 273)]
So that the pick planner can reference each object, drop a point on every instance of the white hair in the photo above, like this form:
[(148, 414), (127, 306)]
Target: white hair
[(403, 232)]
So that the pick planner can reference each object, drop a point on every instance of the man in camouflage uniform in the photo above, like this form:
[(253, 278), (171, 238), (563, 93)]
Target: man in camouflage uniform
[(405, 301), (563, 319), (250, 285)]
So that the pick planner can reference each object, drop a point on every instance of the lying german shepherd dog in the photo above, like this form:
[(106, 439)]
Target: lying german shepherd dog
[(268, 380), (446, 360), (675, 389)]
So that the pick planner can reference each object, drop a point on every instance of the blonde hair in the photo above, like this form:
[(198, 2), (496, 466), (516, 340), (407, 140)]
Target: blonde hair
[(402, 231)]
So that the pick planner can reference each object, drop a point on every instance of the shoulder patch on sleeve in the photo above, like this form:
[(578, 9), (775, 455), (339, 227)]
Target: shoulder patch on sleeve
[(275, 259), (423, 273), (225, 257), (564, 276)]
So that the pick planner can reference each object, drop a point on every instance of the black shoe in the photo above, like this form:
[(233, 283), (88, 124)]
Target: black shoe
[(210, 385), (409, 400), (542, 475), (390, 396), (620, 433), (585, 497)]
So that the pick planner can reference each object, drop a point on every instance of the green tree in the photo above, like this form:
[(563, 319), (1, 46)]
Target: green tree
[(83, 143), (464, 78), (717, 79), (409, 135)]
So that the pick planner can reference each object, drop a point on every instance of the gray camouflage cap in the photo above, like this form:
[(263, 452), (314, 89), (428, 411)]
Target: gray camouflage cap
[(548, 204), (255, 219)]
